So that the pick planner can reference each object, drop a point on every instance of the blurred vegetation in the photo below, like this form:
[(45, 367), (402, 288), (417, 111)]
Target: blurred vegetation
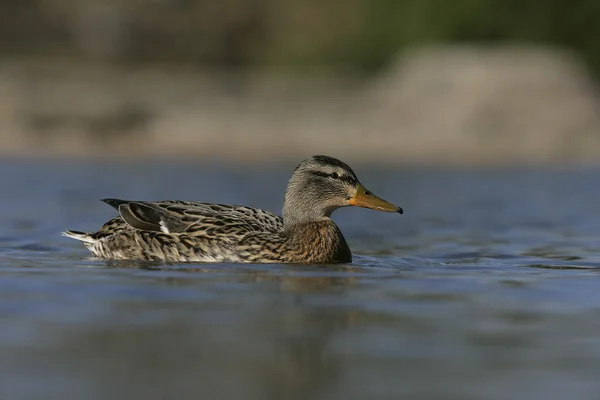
[(354, 34)]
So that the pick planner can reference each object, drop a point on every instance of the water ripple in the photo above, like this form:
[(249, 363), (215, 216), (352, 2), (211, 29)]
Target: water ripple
[(487, 286)]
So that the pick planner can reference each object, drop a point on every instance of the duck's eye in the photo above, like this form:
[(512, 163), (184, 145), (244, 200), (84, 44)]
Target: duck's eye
[(334, 175)]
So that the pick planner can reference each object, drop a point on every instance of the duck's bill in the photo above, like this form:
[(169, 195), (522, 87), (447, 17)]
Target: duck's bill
[(366, 199)]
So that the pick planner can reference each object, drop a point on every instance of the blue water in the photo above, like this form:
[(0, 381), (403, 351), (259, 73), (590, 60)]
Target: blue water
[(486, 288)]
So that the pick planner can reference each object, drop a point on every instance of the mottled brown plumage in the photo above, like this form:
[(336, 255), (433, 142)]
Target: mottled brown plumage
[(180, 231)]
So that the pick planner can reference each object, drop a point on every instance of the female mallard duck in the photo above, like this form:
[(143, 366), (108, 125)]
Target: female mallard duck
[(203, 232)]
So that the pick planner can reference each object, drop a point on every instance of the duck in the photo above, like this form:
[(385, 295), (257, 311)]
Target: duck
[(184, 231)]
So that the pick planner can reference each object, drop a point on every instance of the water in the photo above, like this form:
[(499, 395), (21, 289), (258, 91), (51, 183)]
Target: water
[(486, 288)]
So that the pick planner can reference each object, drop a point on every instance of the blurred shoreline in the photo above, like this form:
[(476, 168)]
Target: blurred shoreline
[(437, 106)]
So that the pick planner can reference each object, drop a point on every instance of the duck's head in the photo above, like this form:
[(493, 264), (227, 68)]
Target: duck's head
[(322, 184)]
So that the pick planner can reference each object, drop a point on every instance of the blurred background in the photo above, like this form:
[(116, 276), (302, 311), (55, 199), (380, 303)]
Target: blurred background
[(416, 81)]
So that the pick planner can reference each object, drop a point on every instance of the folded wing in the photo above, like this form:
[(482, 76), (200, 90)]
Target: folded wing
[(175, 217)]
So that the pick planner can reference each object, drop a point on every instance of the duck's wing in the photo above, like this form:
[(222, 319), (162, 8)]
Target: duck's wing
[(195, 218)]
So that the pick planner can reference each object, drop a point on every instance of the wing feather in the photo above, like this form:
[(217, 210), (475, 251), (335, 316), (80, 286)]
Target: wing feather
[(202, 219)]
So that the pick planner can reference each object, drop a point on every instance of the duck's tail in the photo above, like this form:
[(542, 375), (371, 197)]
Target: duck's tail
[(82, 236)]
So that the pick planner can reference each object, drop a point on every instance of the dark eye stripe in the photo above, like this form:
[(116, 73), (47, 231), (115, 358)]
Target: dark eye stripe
[(344, 178), (319, 173), (348, 179)]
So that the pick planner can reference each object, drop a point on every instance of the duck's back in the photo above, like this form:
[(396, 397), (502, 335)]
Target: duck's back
[(175, 216), (198, 216), (178, 231)]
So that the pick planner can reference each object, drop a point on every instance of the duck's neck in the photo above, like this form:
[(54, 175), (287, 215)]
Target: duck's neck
[(318, 241), (293, 216)]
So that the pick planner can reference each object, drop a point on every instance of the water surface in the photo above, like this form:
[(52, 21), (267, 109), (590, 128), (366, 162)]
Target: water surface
[(486, 288)]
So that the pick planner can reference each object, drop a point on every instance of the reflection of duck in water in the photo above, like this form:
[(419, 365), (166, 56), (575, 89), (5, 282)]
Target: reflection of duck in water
[(203, 232)]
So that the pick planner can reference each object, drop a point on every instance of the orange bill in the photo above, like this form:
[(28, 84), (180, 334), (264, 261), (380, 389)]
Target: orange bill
[(366, 199)]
